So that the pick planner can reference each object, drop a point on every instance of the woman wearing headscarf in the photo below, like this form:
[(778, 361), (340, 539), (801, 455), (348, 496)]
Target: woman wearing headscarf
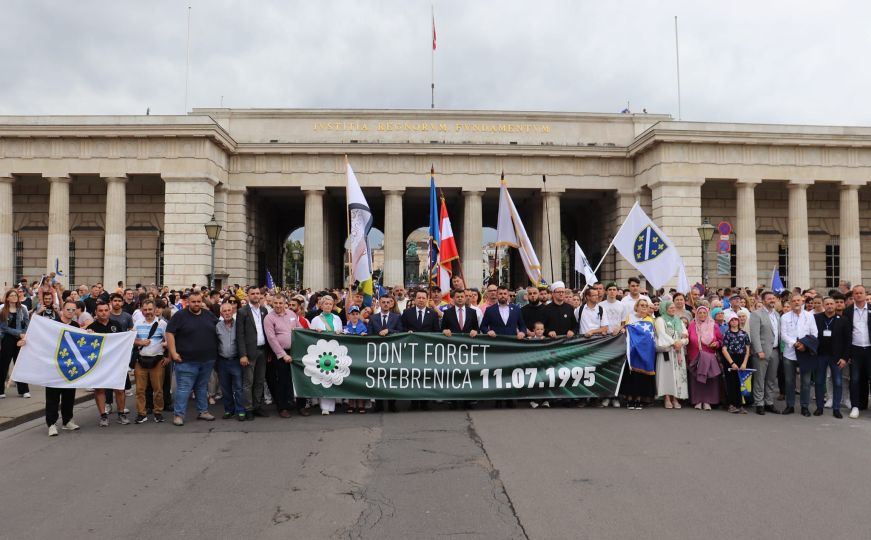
[(637, 384), (703, 367), (671, 369), (719, 316)]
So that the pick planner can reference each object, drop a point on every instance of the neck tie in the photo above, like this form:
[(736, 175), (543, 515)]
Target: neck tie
[(420, 317), (384, 321), (460, 318)]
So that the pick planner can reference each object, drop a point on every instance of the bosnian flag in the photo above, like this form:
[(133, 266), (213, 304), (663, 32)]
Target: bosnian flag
[(447, 251)]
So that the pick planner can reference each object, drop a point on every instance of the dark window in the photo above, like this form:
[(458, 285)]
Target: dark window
[(833, 263), (159, 270), (71, 271), (19, 258), (783, 262), (733, 267)]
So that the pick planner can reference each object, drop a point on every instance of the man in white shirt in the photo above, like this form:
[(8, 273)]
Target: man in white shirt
[(634, 294), (591, 316), (614, 312), (795, 325)]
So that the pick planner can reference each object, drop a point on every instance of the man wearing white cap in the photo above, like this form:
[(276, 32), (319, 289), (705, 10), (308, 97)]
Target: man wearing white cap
[(559, 317)]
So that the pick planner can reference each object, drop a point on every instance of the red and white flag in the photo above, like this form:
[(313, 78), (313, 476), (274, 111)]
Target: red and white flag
[(433, 32), (447, 251)]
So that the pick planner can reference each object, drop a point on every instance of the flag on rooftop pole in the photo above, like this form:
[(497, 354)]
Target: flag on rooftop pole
[(511, 232), (358, 242), (582, 265), (62, 356), (647, 248)]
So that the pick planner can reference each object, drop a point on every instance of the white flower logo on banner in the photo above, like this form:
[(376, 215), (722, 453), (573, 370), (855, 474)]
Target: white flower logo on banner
[(327, 363)]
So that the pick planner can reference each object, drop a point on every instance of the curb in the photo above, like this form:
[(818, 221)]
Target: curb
[(40, 413)]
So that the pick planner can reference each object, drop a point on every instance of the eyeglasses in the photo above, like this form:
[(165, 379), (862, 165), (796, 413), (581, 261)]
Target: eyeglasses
[(69, 309)]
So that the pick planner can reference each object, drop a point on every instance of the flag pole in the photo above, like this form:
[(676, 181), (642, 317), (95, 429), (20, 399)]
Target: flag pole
[(677, 61), (349, 298), (187, 65), (432, 60), (459, 259), (547, 221), (596, 270)]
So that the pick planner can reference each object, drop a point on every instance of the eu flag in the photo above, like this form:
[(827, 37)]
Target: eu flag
[(641, 347)]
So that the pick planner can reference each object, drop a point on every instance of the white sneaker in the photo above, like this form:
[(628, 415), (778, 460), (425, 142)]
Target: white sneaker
[(615, 403), (828, 404), (2, 396), (854, 412), (70, 426), (847, 403), (128, 393), (325, 413), (26, 395), (52, 430), (605, 403), (108, 408), (546, 404), (533, 404)]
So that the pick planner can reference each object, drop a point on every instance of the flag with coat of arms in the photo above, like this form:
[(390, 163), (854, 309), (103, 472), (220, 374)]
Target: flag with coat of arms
[(647, 248), (62, 356), (641, 347)]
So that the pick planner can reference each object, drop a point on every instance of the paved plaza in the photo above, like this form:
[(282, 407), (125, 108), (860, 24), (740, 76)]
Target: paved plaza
[(543, 474)]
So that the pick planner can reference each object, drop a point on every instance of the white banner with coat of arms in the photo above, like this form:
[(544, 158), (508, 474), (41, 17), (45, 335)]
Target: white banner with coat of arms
[(646, 248), (62, 356)]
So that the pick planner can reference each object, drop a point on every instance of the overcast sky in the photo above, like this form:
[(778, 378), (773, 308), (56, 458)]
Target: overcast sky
[(759, 61)]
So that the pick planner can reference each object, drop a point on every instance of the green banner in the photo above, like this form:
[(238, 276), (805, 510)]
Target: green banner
[(432, 366)]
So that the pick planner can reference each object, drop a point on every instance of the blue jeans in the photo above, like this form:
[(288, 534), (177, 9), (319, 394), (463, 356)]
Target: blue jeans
[(192, 377), (230, 376), (831, 363)]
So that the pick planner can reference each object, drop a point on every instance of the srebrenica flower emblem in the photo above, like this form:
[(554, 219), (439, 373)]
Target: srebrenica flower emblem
[(327, 363)]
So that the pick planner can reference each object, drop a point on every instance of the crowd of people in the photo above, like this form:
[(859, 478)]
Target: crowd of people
[(232, 346)]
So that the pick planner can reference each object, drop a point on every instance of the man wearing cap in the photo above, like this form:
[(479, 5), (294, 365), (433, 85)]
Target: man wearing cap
[(559, 316)]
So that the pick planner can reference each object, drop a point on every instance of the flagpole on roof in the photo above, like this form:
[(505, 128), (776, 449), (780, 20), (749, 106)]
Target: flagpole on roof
[(432, 60)]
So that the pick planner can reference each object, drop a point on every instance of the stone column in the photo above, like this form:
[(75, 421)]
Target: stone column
[(745, 233), (115, 236), (7, 238), (472, 254), (799, 250), (313, 241), (221, 217), (677, 210), (624, 200), (236, 236), (850, 242), (394, 240), (189, 203), (551, 222), (59, 226)]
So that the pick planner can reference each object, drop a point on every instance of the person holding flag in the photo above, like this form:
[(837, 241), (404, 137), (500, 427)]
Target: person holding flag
[(638, 381), (511, 232)]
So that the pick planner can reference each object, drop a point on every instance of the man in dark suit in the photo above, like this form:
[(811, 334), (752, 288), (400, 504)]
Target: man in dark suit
[(459, 318), (830, 331), (251, 346), (502, 318), (419, 318), (856, 342), (384, 323)]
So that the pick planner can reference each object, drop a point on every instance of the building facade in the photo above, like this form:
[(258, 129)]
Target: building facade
[(125, 198)]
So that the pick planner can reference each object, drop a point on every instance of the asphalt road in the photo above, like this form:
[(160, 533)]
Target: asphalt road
[(543, 474)]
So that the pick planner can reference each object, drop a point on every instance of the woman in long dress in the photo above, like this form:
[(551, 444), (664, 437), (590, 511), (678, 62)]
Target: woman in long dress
[(637, 385), (703, 366), (671, 368), (328, 322)]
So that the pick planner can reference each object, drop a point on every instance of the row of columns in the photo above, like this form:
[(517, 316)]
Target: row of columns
[(58, 239), (797, 234)]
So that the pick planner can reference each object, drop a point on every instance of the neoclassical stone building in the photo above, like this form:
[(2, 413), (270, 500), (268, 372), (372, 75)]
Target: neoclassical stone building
[(125, 198)]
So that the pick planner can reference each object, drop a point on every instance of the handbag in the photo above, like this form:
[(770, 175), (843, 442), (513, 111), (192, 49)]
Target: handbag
[(137, 357)]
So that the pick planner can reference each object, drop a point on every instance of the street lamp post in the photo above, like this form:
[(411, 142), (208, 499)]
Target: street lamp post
[(706, 232), (294, 253), (213, 230)]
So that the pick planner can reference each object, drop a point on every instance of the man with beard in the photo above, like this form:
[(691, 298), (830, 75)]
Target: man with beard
[(533, 311), (559, 317)]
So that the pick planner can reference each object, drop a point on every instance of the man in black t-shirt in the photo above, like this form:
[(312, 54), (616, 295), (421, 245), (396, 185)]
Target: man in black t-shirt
[(47, 308), (559, 316), (103, 325), (193, 346), (533, 311)]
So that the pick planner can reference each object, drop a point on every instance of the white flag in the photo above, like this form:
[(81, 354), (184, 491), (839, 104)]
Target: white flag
[(361, 223), (511, 232), (62, 356), (646, 248), (683, 284), (582, 265)]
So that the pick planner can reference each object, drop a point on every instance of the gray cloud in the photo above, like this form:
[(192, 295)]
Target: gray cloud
[(777, 61)]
